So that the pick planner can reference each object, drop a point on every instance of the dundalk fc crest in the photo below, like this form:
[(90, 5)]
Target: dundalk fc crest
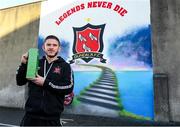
[(88, 43)]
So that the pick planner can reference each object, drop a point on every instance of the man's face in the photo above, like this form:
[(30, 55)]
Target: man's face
[(51, 47)]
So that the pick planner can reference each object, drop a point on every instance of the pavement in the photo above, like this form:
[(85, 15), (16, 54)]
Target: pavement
[(11, 117)]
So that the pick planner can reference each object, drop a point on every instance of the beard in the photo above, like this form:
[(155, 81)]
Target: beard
[(52, 56)]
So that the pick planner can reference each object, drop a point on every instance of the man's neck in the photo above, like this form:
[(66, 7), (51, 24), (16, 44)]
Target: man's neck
[(49, 59)]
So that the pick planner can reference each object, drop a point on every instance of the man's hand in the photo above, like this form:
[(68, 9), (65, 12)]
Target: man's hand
[(39, 80), (24, 58)]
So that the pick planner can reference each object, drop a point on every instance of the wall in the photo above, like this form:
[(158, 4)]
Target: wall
[(165, 19), (19, 31)]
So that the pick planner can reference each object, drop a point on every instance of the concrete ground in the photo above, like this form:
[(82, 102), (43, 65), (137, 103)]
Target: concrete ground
[(12, 117)]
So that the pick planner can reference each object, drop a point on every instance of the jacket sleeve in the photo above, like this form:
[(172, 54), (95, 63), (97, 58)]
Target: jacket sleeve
[(21, 75), (65, 86)]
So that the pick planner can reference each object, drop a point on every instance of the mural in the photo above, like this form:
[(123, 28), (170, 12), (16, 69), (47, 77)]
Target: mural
[(108, 44)]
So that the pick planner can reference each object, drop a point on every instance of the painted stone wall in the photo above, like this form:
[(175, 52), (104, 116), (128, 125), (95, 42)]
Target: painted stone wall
[(165, 18)]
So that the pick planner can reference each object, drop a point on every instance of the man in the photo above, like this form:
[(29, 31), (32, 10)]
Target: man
[(47, 91)]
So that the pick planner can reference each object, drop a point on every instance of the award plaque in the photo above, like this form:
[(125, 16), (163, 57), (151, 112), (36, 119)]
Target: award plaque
[(32, 64)]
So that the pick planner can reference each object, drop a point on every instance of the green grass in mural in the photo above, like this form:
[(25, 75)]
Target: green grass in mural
[(85, 89), (132, 115), (75, 101)]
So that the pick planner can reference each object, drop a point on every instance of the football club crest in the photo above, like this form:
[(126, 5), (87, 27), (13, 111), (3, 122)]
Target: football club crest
[(88, 42)]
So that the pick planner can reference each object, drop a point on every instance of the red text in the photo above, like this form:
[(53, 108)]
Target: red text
[(69, 12)]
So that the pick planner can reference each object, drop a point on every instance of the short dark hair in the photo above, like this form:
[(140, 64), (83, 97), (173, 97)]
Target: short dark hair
[(52, 37)]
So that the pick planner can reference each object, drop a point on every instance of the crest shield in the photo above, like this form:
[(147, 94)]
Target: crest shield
[(88, 39)]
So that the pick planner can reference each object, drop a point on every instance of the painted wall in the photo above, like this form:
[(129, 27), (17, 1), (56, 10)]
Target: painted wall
[(18, 32), (110, 53)]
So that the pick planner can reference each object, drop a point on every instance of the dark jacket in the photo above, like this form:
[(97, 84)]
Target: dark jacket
[(47, 101)]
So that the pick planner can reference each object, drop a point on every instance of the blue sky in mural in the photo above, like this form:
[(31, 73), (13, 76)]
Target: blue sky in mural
[(134, 47), (127, 52)]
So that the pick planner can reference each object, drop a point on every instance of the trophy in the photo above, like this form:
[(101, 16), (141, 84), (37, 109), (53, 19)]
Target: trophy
[(32, 64)]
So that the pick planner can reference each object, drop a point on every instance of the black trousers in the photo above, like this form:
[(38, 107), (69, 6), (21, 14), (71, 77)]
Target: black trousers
[(30, 121)]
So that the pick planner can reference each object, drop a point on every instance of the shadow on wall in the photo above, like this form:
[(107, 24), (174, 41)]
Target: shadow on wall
[(12, 46)]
